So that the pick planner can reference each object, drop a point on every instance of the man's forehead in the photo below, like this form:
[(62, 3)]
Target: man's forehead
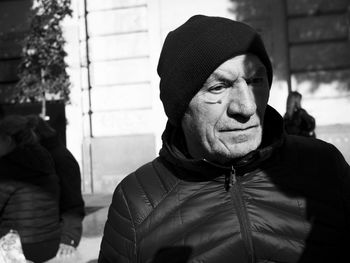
[(247, 64)]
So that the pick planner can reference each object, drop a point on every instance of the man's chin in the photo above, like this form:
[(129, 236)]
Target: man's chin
[(236, 151)]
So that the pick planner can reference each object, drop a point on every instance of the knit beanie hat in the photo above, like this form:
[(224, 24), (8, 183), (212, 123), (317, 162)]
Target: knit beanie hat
[(194, 50)]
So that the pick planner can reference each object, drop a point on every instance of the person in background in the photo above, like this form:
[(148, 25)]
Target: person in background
[(29, 190), (296, 120), (228, 185), (71, 202)]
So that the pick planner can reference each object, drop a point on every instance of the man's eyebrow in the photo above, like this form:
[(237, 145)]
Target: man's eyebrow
[(217, 76)]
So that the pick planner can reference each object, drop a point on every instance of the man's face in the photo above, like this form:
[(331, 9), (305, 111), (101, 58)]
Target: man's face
[(224, 119)]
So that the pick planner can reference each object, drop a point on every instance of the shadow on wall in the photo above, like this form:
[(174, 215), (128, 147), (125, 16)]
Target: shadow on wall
[(338, 80), (259, 15), (317, 40)]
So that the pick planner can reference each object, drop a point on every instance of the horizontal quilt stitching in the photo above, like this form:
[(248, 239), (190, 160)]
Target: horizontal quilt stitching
[(115, 250), (205, 250), (175, 208), (278, 208), (120, 234), (281, 236), (143, 189), (194, 227), (159, 177), (119, 214)]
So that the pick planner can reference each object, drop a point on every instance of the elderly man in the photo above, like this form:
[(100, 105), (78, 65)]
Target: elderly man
[(229, 185)]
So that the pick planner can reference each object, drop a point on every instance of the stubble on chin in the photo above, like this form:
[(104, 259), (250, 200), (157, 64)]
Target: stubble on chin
[(227, 150)]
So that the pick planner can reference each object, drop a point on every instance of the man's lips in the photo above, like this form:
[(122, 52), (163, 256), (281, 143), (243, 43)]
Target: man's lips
[(238, 129)]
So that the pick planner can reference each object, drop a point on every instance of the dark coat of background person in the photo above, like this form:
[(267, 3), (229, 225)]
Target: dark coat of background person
[(300, 123), (29, 194), (293, 189), (71, 202)]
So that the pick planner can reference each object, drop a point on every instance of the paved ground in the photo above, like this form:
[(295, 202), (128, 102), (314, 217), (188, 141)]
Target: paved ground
[(93, 226), (90, 243)]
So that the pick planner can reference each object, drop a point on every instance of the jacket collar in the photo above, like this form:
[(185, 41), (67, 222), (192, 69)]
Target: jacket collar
[(174, 149)]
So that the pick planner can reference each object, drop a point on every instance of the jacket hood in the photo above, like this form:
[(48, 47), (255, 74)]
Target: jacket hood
[(26, 162), (174, 148)]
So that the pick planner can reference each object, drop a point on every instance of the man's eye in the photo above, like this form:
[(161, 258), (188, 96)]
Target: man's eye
[(255, 80), (217, 89)]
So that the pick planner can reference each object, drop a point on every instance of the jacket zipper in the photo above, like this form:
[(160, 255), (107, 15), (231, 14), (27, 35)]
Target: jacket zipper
[(232, 185)]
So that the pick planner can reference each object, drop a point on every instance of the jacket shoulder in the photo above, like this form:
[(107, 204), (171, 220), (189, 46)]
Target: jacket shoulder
[(145, 188), (133, 201), (310, 145), (313, 152)]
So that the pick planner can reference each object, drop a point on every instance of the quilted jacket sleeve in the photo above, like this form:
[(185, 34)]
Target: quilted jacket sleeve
[(342, 170), (119, 239), (6, 190), (71, 201), (345, 184)]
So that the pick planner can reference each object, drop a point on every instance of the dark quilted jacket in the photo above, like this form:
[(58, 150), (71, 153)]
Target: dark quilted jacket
[(286, 202), (29, 195), (71, 200)]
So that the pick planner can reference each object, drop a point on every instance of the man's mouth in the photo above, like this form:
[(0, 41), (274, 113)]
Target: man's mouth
[(239, 129)]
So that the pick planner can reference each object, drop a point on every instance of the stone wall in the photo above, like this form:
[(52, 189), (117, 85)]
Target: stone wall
[(319, 50), (118, 112), (319, 44)]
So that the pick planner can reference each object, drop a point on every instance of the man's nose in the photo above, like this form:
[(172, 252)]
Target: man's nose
[(241, 100)]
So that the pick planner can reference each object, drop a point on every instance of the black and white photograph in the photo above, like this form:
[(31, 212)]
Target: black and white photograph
[(188, 131)]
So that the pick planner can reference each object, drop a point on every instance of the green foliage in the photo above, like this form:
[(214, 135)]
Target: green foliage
[(43, 69)]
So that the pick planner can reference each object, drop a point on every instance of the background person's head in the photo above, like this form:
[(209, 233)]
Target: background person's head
[(215, 79), (16, 131), (293, 102)]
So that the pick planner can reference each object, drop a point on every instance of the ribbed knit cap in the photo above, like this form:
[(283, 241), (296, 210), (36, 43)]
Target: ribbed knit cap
[(194, 50)]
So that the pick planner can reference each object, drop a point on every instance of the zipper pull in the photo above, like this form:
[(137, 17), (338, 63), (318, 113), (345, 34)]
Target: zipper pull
[(230, 179)]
